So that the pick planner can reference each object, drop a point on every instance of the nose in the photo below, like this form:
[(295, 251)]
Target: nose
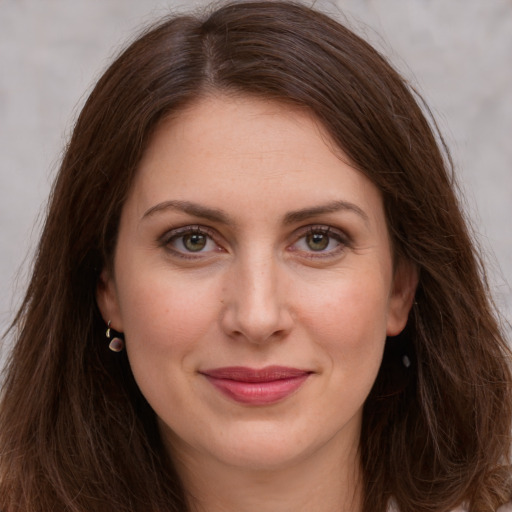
[(256, 305)]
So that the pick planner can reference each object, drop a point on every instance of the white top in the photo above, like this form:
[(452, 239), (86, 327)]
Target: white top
[(504, 508)]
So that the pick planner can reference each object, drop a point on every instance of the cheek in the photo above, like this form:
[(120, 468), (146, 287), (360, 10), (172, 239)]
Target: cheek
[(165, 322), (165, 315), (351, 304), (347, 318)]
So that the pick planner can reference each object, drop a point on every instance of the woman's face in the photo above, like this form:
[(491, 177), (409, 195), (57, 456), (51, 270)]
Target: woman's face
[(254, 282)]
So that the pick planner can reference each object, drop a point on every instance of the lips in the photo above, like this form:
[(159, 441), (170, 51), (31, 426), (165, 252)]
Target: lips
[(257, 386)]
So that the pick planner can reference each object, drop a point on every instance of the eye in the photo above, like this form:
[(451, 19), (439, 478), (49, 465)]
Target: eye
[(320, 241), (194, 242), (317, 241), (189, 240)]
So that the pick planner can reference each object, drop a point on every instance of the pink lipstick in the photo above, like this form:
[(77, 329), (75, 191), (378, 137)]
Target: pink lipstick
[(257, 386)]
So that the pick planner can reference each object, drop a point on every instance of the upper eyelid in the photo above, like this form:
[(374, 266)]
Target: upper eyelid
[(183, 230), (325, 228)]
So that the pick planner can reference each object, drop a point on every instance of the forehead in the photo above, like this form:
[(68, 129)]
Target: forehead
[(250, 151)]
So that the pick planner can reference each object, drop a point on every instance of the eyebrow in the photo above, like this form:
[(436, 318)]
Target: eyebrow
[(217, 215), (197, 210), (331, 207)]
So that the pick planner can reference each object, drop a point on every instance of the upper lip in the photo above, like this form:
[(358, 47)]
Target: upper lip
[(244, 374)]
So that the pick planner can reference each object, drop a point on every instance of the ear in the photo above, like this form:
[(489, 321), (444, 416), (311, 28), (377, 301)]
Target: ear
[(405, 281), (108, 302)]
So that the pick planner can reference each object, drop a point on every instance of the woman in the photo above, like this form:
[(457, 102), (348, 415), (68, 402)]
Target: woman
[(254, 215)]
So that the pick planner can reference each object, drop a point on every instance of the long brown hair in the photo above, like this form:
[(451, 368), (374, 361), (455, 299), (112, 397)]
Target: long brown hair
[(75, 432)]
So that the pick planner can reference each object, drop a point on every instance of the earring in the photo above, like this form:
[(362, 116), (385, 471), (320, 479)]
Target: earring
[(116, 343), (406, 361)]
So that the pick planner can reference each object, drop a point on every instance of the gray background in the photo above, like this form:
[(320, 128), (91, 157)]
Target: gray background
[(457, 52)]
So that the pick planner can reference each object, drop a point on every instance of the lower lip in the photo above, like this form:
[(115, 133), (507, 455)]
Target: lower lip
[(258, 393)]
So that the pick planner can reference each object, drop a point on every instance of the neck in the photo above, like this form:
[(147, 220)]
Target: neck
[(324, 482)]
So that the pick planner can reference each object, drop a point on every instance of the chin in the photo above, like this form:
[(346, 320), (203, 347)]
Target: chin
[(263, 456), (263, 446)]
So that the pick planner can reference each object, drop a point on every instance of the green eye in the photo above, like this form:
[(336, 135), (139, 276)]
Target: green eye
[(320, 242), (194, 242), (317, 241)]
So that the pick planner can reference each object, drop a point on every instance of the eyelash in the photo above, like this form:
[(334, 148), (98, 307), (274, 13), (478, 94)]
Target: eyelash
[(334, 234)]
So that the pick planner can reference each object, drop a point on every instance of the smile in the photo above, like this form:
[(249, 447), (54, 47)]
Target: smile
[(257, 386)]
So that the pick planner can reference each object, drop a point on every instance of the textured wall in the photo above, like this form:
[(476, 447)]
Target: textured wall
[(459, 53)]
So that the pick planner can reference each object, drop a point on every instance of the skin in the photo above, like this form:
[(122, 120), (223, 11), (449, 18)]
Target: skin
[(314, 290)]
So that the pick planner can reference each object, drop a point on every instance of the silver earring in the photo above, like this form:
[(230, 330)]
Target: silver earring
[(116, 343)]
